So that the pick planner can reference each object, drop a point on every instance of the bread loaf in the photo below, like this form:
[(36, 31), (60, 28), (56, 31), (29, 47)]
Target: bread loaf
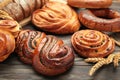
[(21, 9)]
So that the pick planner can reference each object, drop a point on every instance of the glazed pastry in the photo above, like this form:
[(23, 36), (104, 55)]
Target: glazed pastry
[(7, 23), (101, 19), (57, 18), (11, 26), (6, 41), (21, 9), (91, 43), (90, 3), (52, 57), (26, 42)]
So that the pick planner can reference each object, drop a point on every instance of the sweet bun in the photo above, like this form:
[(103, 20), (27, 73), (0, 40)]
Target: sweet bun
[(52, 57), (6, 41), (56, 17), (92, 43), (26, 42)]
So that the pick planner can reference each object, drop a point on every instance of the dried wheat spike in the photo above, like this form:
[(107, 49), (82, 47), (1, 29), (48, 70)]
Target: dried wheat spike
[(116, 60), (94, 60), (110, 58), (97, 66), (116, 42)]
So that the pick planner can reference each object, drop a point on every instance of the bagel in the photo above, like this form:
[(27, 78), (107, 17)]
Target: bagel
[(101, 19)]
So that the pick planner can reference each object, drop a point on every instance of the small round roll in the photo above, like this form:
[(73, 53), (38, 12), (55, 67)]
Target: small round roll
[(101, 19), (92, 43), (26, 42), (57, 18), (90, 3), (52, 57), (7, 44)]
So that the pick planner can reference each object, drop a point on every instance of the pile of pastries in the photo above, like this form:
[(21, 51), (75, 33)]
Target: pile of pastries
[(46, 53)]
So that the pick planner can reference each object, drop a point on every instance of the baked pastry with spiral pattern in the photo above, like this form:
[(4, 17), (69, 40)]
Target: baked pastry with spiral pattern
[(26, 42), (52, 57), (57, 18), (7, 23), (92, 43), (6, 41)]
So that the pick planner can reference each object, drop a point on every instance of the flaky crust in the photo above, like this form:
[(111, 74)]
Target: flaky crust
[(91, 43), (6, 41), (7, 23), (57, 18), (52, 57), (26, 42), (90, 3)]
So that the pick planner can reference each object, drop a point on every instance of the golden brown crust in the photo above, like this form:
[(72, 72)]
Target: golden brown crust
[(11, 26), (3, 3), (92, 19), (52, 57), (7, 23), (26, 42), (91, 43), (21, 9), (90, 3), (57, 18), (6, 41)]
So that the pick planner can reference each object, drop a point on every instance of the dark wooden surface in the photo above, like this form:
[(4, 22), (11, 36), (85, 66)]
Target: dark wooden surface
[(14, 69)]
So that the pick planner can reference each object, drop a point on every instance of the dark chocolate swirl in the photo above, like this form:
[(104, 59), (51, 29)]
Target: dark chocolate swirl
[(26, 42)]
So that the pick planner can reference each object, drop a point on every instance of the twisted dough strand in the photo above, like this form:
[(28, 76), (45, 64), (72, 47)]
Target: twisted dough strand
[(26, 42), (52, 57)]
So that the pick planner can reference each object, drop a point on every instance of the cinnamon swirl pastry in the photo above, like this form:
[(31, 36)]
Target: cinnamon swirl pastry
[(26, 42), (6, 41), (91, 43), (57, 18), (52, 57)]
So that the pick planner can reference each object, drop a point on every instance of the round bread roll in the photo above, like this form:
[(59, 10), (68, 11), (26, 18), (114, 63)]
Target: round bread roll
[(92, 43)]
